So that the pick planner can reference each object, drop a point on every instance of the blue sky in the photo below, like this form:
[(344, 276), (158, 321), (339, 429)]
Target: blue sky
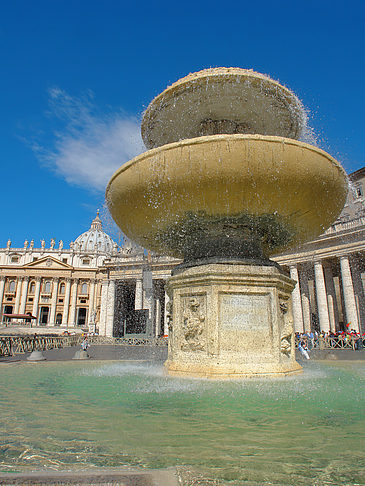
[(76, 76)]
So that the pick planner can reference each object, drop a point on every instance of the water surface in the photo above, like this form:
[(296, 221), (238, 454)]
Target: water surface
[(308, 429)]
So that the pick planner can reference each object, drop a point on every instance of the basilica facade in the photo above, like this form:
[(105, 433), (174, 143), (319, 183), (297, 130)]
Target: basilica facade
[(96, 285)]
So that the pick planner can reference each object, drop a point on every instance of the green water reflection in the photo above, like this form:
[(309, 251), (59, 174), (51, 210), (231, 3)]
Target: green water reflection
[(308, 429)]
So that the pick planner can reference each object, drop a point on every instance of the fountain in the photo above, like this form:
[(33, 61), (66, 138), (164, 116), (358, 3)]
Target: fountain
[(224, 185)]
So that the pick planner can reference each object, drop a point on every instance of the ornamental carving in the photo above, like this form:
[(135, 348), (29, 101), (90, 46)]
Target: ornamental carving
[(193, 326), (287, 329), (169, 316), (285, 344)]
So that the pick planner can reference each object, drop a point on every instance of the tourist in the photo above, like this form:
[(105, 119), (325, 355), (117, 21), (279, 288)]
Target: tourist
[(85, 344), (310, 340), (35, 338), (303, 348)]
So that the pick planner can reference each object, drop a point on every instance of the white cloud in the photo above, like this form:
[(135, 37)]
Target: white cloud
[(88, 147)]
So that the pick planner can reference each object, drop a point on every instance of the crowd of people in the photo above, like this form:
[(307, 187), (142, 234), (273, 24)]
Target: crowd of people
[(307, 341)]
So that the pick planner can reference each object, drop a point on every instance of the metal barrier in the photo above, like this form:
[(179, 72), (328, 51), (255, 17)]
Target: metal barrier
[(11, 345), (333, 342)]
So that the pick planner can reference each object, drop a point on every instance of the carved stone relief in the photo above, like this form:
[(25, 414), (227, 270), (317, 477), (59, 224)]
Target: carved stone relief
[(193, 325), (286, 330)]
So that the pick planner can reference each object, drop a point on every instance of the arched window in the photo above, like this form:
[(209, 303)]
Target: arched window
[(47, 287), (32, 288), (12, 286), (62, 288), (84, 288), (58, 319)]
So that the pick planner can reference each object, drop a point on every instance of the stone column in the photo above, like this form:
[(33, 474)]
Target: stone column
[(103, 307), (165, 320), (148, 302), (321, 294), (110, 309), (138, 302), (2, 289), (52, 318), (157, 317), (37, 292), (306, 310), (91, 298), (348, 294), (356, 265), (24, 295), (331, 298), (72, 315), (66, 302), (296, 300), (18, 295)]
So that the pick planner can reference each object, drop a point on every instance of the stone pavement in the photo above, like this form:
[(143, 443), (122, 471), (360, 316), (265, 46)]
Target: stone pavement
[(333, 354), (101, 352), (112, 477)]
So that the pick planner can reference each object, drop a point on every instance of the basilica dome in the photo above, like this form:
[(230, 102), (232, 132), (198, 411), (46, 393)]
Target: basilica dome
[(95, 239)]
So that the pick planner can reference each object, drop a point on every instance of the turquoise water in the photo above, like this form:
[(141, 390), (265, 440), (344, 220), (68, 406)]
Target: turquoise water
[(304, 430)]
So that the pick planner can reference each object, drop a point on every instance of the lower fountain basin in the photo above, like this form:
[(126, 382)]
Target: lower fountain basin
[(246, 196), (88, 415)]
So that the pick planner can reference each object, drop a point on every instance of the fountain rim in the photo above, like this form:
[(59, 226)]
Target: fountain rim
[(220, 73), (210, 138)]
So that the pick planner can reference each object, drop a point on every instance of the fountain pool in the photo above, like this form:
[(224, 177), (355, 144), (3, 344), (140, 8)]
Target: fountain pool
[(306, 429)]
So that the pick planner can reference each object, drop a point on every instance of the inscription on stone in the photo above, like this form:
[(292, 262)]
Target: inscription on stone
[(245, 312)]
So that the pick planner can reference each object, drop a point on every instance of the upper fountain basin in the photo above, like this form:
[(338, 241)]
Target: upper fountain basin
[(220, 101), (227, 195)]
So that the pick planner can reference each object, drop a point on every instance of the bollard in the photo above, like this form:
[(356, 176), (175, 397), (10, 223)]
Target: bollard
[(36, 356)]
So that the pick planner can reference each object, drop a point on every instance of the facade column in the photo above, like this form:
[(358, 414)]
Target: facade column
[(18, 295), (37, 292), (331, 298), (52, 318), (296, 300), (321, 294), (166, 315), (138, 302), (23, 300), (91, 313), (72, 315), (348, 294), (2, 290), (109, 325), (103, 307), (66, 302)]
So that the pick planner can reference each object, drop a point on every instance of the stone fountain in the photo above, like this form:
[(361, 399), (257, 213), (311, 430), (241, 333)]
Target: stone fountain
[(224, 185)]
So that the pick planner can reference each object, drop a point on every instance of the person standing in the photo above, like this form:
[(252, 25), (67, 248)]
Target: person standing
[(85, 344), (303, 348)]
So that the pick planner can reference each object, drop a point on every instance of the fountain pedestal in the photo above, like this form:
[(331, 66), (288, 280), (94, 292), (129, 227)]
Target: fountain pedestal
[(231, 320)]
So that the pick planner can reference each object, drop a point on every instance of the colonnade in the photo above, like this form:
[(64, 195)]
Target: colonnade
[(325, 297)]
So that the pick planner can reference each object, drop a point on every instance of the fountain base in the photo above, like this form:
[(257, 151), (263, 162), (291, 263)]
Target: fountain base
[(231, 320)]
